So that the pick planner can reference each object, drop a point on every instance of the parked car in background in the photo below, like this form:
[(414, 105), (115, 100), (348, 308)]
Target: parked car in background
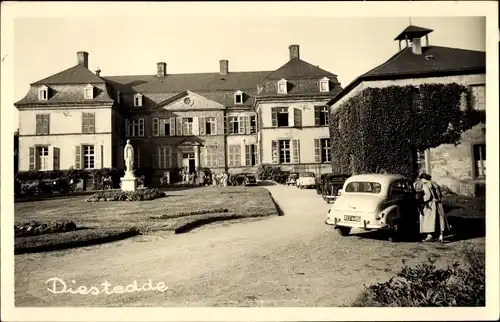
[(243, 179), (330, 184), (306, 180), (372, 202), (292, 178)]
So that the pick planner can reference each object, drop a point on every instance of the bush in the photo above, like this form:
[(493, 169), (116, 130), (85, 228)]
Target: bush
[(34, 228), (427, 285), (138, 195), (367, 136), (271, 172)]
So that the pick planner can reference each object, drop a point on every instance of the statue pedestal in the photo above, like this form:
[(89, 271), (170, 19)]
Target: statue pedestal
[(129, 182)]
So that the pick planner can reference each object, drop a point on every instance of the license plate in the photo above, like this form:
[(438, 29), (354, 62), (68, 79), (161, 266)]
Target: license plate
[(352, 218)]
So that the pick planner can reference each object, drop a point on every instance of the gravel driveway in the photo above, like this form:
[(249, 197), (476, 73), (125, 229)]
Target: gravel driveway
[(291, 260)]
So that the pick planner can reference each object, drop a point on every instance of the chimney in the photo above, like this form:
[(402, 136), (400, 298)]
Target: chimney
[(161, 69), (224, 67), (416, 46), (98, 71), (294, 51), (83, 58)]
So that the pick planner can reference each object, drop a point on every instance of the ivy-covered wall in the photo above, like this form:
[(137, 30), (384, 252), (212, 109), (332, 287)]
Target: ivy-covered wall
[(380, 129)]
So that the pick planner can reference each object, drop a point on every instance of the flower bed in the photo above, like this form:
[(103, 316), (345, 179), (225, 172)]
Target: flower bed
[(138, 195), (192, 213), (34, 228)]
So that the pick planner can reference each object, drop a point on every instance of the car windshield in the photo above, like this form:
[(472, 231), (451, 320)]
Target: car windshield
[(363, 187), (307, 174), (293, 175)]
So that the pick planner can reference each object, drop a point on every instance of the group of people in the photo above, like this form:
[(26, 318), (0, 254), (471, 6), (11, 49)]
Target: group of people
[(199, 178), (432, 218)]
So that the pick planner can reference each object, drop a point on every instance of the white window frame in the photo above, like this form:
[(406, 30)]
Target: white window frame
[(231, 121), (324, 81), (325, 150), (187, 127), (284, 149), (164, 157), (282, 86), (479, 169), (87, 156), (88, 92), (131, 127), (240, 95), (212, 120), (43, 93), (42, 161), (234, 155), (138, 99)]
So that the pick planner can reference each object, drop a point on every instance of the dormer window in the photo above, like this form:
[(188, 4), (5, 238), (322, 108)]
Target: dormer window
[(43, 93), (238, 97), (324, 85), (282, 86), (89, 92), (137, 100)]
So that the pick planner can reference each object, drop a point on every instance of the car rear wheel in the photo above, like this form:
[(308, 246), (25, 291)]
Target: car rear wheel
[(343, 231)]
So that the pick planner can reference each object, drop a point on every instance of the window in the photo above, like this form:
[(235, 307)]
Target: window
[(137, 100), (420, 162), (398, 188), (88, 92), (88, 156), (234, 155), (43, 158), (279, 116), (42, 124), (88, 122), (164, 157), (322, 150), (210, 126), (282, 86), (251, 156), (363, 187), (234, 125), (187, 126), (253, 124), (285, 151), (164, 127), (321, 115), (135, 127), (238, 97), (478, 97), (244, 124), (211, 156), (479, 156), (43, 93), (324, 85)]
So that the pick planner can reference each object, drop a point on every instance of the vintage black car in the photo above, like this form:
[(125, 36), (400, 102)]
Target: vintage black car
[(243, 179), (329, 184), (292, 178)]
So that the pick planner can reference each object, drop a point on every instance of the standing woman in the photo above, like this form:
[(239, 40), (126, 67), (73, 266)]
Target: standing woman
[(432, 219)]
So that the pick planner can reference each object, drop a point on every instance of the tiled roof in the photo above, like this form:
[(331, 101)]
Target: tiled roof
[(78, 74), (434, 61), (199, 82), (413, 31), (297, 68), (67, 94)]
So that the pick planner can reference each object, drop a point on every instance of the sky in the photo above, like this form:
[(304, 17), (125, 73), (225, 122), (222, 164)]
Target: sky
[(346, 47)]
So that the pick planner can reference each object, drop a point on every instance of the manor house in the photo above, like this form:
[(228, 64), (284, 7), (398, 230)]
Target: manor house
[(224, 120)]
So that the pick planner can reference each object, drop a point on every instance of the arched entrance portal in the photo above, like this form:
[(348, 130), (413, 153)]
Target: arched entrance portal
[(188, 154)]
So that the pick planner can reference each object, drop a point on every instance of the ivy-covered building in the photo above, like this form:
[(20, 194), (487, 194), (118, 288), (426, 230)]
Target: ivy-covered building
[(421, 110)]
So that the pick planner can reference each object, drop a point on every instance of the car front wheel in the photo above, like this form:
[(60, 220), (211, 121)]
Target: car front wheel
[(343, 231)]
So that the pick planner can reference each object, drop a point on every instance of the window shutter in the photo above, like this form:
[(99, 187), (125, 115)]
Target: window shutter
[(158, 156), (47, 124), (97, 156), (247, 124), (84, 122), (241, 125), (317, 150), (297, 117), (248, 155), (155, 127), (316, 116), (275, 151), (57, 157), (178, 126), (202, 125), (127, 127), (91, 122), (32, 158), (172, 126), (256, 151), (295, 151), (196, 126), (78, 157), (274, 117), (213, 127), (141, 127), (226, 125)]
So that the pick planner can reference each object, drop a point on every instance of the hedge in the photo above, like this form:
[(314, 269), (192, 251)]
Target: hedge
[(381, 129), (138, 195)]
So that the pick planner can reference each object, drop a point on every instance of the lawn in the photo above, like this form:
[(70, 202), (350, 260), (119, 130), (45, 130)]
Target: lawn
[(144, 216)]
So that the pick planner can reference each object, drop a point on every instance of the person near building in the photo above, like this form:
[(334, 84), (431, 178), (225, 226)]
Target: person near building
[(433, 220)]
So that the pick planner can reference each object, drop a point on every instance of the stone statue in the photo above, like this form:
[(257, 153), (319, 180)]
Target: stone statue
[(128, 156)]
